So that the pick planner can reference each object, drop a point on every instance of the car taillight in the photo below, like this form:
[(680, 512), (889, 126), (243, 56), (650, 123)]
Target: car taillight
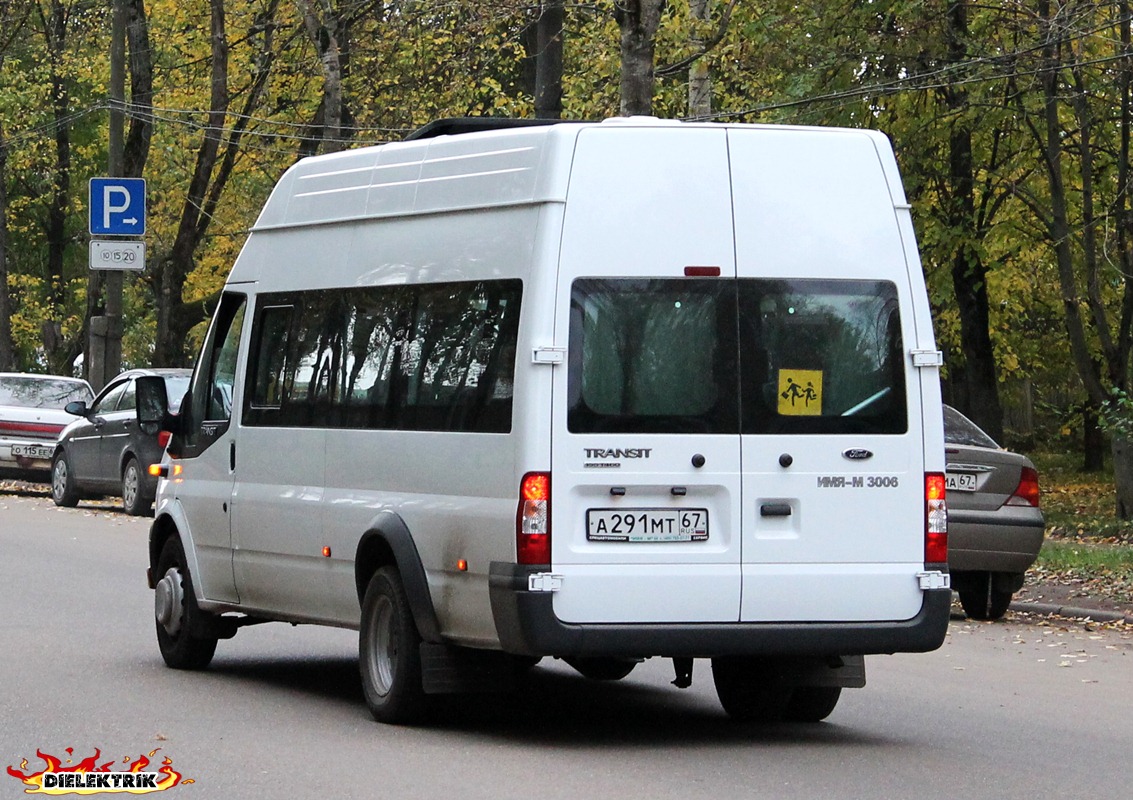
[(1027, 492), (936, 519), (533, 519), (163, 439)]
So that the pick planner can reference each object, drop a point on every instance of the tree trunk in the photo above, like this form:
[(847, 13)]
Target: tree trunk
[(136, 149), (1093, 439), (7, 347), (173, 270), (969, 272), (549, 61), (699, 78), (1123, 476), (327, 32), (638, 21)]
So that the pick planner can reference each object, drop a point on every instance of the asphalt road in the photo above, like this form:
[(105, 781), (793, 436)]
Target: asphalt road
[(1004, 710)]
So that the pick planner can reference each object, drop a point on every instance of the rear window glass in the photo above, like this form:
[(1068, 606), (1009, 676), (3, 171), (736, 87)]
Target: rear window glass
[(725, 356), (41, 392), (821, 356), (958, 429), (654, 356)]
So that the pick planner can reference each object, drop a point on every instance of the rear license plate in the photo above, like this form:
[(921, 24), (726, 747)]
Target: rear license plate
[(960, 481), (40, 451), (647, 524)]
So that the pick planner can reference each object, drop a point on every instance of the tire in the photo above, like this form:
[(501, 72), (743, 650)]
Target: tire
[(63, 489), (981, 600), (389, 652), (749, 690), (812, 703), (602, 669), (178, 618), (135, 500)]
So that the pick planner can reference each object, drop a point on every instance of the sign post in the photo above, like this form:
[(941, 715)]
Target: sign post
[(117, 214)]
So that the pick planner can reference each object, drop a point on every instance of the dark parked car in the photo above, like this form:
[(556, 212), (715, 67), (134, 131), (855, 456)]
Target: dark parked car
[(995, 525), (31, 416), (106, 452)]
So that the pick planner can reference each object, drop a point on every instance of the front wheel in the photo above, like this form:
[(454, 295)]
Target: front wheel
[(135, 501), (179, 618), (63, 489), (389, 652)]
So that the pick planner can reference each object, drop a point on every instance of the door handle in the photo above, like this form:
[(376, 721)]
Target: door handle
[(232, 456), (775, 510)]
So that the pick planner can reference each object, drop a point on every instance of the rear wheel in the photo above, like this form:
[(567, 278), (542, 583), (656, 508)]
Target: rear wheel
[(63, 489), (748, 690), (389, 652), (812, 703), (135, 501), (603, 669), (179, 619), (981, 599)]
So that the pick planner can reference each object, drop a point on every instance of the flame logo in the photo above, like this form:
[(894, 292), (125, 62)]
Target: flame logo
[(37, 782)]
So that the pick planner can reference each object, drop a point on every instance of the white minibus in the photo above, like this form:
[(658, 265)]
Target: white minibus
[(593, 391)]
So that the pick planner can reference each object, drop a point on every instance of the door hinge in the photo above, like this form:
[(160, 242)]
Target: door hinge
[(928, 358), (934, 580), (544, 582), (548, 355)]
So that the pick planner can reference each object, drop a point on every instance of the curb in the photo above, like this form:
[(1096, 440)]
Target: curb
[(1098, 615)]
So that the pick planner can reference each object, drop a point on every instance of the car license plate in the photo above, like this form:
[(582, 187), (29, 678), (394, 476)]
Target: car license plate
[(960, 481), (40, 451), (647, 524)]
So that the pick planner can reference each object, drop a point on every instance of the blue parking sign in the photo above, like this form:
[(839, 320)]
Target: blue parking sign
[(117, 206)]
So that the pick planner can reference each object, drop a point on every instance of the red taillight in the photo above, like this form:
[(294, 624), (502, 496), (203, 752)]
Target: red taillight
[(533, 519), (1027, 492), (936, 519), (163, 439)]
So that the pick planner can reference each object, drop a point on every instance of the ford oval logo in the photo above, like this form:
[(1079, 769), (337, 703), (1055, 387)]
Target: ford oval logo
[(857, 454)]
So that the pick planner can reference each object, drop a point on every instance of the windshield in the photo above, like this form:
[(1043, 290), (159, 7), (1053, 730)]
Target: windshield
[(175, 388), (36, 392)]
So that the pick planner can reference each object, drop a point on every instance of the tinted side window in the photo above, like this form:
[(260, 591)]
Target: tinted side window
[(821, 356), (109, 399), (428, 357), (129, 399), (656, 356)]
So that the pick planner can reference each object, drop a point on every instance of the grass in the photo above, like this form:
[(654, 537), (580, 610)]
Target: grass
[(1086, 543)]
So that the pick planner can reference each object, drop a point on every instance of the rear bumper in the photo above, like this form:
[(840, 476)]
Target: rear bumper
[(526, 624), (979, 541)]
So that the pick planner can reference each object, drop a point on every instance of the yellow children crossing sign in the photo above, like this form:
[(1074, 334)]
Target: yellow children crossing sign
[(800, 392)]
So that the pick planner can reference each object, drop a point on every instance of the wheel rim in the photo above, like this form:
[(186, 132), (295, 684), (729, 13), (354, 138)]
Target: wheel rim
[(169, 601), (59, 478), (130, 485), (384, 652)]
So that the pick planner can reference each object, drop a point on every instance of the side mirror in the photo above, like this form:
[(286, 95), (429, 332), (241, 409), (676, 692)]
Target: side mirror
[(153, 404), (77, 408)]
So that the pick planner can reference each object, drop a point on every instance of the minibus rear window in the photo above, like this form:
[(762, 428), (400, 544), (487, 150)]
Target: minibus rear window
[(653, 356), (756, 356), (821, 356)]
